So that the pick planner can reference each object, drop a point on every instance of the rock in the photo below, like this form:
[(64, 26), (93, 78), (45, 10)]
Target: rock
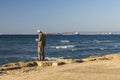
[(27, 64), (10, 66), (105, 57), (0, 72), (18, 65), (95, 58), (69, 60), (57, 63), (49, 63), (113, 56), (44, 63)]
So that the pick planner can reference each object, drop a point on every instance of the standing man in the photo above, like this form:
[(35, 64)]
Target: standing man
[(41, 44)]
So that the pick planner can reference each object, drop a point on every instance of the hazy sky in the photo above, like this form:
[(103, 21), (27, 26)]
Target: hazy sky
[(26, 16)]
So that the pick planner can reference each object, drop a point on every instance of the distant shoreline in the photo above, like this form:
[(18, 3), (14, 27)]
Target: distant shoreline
[(60, 34), (69, 33)]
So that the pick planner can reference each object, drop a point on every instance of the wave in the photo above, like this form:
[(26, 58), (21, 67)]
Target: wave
[(104, 49), (87, 49), (64, 41), (50, 58), (63, 47), (104, 41), (53, 58)]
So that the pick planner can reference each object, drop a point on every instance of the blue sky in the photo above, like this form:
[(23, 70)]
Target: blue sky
[(26, 16)]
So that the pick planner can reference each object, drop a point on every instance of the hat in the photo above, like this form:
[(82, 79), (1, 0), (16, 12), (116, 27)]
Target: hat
[(39, 31)]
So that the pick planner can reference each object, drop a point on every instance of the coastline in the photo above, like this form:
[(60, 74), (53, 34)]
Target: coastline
[(105, 67)]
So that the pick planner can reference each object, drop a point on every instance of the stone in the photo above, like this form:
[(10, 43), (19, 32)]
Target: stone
[(10, 66), (57, 63), (28, 64), (49, 63), (66, 61), (113, 56), (44, 63)]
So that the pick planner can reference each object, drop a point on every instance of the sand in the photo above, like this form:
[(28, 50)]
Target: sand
[(89, 69)]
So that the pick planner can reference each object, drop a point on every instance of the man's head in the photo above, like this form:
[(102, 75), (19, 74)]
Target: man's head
[(39, 31)]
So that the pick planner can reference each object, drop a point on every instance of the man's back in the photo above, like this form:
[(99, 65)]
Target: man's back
[(42, 40)]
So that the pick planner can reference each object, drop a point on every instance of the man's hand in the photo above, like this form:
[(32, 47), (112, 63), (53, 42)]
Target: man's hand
[(36, 39)]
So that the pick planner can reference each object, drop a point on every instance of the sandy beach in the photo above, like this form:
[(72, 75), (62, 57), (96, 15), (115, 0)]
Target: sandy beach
[(93, 68)]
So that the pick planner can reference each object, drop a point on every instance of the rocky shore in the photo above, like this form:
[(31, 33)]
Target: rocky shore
[(105, 67)]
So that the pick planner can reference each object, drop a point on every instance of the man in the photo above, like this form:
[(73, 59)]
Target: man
[(41, 44)]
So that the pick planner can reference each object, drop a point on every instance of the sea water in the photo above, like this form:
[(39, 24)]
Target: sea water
[(24, 47)]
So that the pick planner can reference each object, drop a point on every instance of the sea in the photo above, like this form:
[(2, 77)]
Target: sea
[(24, 47)]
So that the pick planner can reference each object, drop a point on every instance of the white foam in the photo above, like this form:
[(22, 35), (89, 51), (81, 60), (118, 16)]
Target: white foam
[(65, 41), (53, 58), (49, 58), (77, 49), (34, 57), (104, 41), (63, 47), (101, 49)]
